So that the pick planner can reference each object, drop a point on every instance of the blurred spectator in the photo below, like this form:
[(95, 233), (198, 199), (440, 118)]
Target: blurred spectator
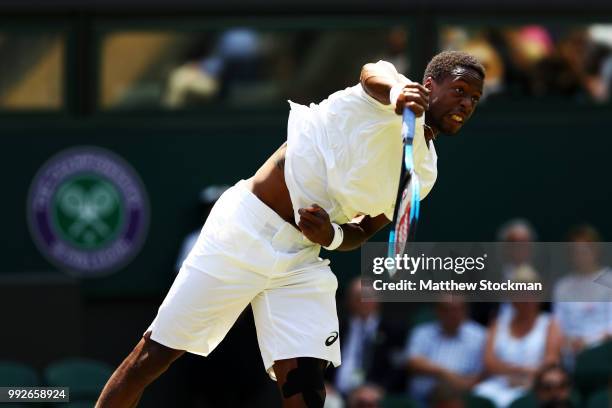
[(332, 398), (552, 387), (207, 199), (582, 306), (396, 48), (601, 34), (564, 73), (519, 233), (233, 61), (529, 45), (586, 58), (457, 38), (518, 236), (447, 350), (445, 396), (518, 344), (530, 48), (365, 396), (369, 344), (492, 62)]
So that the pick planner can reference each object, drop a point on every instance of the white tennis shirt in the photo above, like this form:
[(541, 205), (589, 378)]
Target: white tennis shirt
[(345, 154)]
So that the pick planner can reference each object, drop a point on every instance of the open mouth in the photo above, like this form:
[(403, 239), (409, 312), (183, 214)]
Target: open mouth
[(457, 118)]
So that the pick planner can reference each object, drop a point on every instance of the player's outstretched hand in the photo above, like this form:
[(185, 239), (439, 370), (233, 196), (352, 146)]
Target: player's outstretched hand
[(414, 96), (315, 225)]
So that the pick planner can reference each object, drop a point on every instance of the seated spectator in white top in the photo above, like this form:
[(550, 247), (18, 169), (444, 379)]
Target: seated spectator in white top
[(449, 349), (582, 306), (520, 235), (517, 255), (518, 344)]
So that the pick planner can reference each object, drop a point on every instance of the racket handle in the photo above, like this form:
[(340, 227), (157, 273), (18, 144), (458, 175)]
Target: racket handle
[(408, 124), (391, 245)]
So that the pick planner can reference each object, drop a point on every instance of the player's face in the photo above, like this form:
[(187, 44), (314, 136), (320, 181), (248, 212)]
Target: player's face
[(453, 99)]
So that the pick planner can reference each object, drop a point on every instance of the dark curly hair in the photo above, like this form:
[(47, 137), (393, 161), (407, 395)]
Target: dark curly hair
[(443, 64)]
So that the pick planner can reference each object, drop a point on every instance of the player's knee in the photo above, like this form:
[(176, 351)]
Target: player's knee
[(306, 379)]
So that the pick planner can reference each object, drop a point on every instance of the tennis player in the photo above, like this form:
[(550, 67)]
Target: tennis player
[(333, 184)]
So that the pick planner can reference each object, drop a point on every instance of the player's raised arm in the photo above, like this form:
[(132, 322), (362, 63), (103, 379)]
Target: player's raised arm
[(384, 84)]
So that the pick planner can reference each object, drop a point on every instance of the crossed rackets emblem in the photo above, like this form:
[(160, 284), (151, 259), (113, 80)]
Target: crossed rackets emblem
[(87, 209)]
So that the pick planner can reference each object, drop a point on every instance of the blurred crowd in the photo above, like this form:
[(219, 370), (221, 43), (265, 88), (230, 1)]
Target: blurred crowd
[(249, 67), (459, 354), (540, 60), (244, 66), (526, 61)]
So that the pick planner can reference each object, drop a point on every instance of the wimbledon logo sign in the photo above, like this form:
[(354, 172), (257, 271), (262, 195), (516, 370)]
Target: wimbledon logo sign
[(88, 211)]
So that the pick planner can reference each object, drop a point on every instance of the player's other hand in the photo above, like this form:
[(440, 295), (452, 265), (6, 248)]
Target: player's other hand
[(315, 225), (413, 96)]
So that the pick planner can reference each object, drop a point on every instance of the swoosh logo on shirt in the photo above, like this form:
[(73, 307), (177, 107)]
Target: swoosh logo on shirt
[(331, 339)]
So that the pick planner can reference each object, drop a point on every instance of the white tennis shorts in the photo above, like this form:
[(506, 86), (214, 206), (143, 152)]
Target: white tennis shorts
[(246, 253)]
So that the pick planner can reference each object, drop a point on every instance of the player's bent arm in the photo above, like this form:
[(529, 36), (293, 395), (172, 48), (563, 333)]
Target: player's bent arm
[(377, 82), (357, 233), (316, 226)]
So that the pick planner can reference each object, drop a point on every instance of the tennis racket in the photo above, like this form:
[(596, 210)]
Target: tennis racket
[(406, 213)]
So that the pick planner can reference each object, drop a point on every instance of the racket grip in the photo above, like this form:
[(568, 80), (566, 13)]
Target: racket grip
[(408, 123)]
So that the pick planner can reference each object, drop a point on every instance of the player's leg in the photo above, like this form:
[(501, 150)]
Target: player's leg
[(214, 285), (195, 316), (297, 331), (300, 382), (145, 363)]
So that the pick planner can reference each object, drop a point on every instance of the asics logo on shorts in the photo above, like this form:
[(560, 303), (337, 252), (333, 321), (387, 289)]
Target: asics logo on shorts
[(331, 339)]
